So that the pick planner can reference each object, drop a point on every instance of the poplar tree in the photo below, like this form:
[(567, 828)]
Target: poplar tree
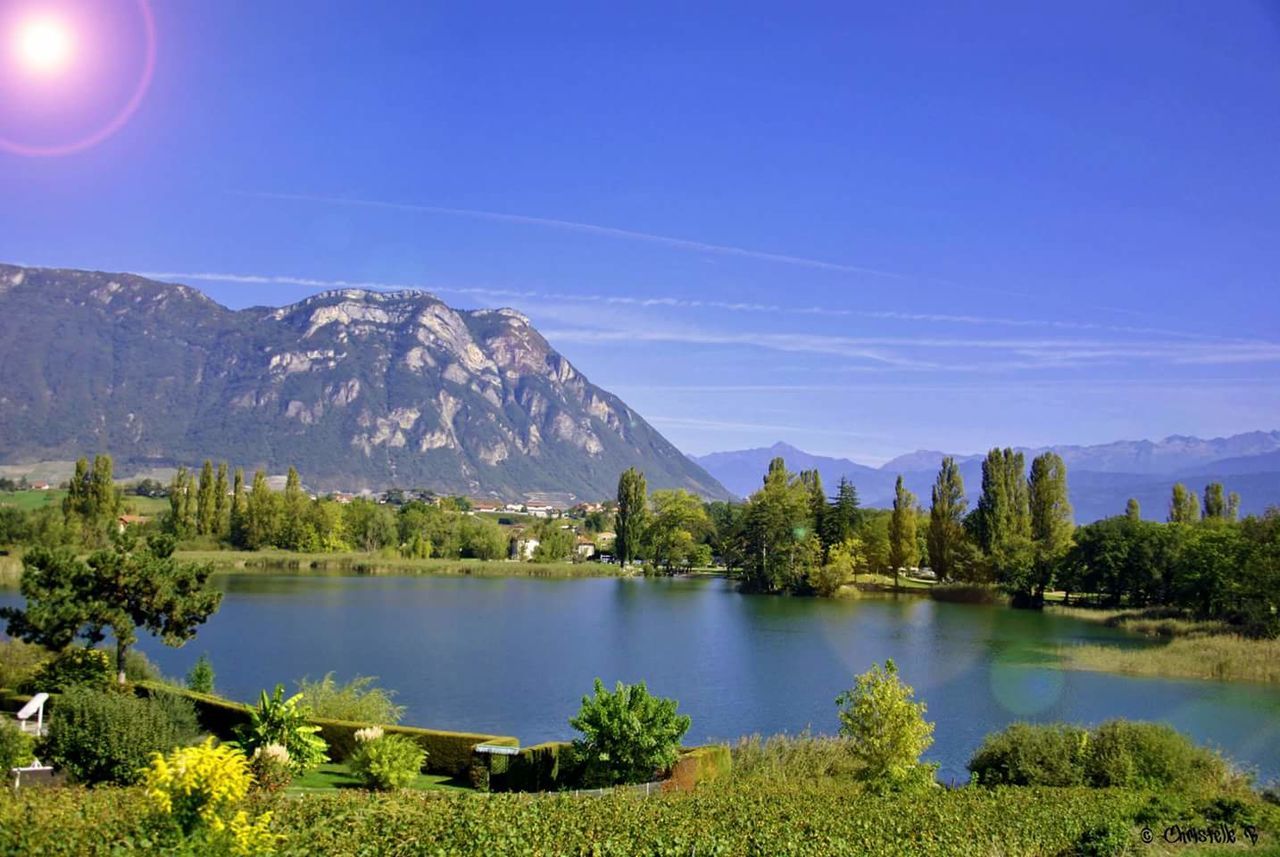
[(220, 501), (1051, 517), (1233, 506), (1184, 506), (946, 519), (904, 552), (1215, 502), (812, 482), (1002, 514), (1132, 510), (239, 506), (205, 499), (74, 504), (633, 498)]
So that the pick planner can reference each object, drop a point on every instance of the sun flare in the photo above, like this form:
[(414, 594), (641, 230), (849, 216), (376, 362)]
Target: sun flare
[(44, 45)]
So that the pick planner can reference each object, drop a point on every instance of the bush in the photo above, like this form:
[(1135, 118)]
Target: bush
[(628, 735), (76, 666), (386, 762), (16, 746), (282, 721), (19, 661), (200, 678), (271, 769), (200, 789), (1149, 755), (1027, 755), (886, 726), (107, 737), (358, 700)]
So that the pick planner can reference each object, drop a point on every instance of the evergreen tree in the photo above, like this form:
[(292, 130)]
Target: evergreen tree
[(904, 551), (1051, 517), (946, 520), (1132, 510), (1184, 506), (633, 500), (1215, 502), (842, 517), (205, 500)]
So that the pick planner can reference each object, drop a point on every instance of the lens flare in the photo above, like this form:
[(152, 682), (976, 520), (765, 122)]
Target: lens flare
[(44, 45)]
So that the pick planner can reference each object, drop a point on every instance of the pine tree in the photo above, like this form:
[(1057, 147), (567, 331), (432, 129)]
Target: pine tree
[(842, 517), (1132, 510), (205, 500), (633, 499), (904, 552), (946, 517)]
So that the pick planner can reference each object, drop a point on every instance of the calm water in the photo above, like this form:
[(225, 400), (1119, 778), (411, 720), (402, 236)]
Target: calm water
[(513, 656)]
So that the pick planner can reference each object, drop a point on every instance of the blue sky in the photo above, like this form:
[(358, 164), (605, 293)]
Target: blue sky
[(861, 228)]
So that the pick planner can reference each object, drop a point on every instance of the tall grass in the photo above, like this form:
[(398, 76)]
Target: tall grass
[(1163, 622), (801, 758), (358, 700), (1224, 658)]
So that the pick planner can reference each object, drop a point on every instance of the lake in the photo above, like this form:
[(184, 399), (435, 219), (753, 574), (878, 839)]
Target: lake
[(514, 656)]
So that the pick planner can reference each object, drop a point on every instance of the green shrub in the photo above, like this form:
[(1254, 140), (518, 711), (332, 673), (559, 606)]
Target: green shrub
[(200, 678), (1149, 755), (1032, 755), (386, 762), (886, 726), (628, 736), (217, 716), (76, 666), (271, 769), (101, 736), (16, 746), (1111, 839), (282, 721), (19, 661), (359, 700)]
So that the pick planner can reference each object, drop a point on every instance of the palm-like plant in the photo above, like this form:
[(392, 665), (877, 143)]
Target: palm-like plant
[(282, 721)]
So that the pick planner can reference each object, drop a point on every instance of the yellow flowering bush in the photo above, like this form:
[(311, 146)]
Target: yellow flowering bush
[(201, 788)]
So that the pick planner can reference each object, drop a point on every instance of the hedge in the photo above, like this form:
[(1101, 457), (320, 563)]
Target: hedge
[(448, 753), (551, 767)]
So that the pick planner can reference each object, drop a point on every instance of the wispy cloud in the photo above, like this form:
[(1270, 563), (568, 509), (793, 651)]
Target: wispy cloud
[(663, 302), (596, 229)]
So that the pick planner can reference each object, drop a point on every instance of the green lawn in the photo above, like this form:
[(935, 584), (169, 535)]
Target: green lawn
[(335, 776), (29, 501)]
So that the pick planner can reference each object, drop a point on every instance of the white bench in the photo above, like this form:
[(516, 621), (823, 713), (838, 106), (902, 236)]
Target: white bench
[(34, 708)]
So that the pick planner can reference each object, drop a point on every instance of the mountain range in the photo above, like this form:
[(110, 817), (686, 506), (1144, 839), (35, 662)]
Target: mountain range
[(357, 389), (1101, 478)]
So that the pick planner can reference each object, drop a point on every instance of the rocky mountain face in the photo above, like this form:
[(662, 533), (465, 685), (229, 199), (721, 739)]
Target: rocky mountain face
[(1100, 478), (355, 388)]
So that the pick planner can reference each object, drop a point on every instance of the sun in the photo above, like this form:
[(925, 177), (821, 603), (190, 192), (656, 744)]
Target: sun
[(44, 45)]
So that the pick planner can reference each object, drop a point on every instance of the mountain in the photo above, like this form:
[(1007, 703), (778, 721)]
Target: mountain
[(357, 389), (1101, 478)]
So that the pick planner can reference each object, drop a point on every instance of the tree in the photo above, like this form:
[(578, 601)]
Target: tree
[(182, 507), (294, 533), (886, 725), (201, 676), (628, 736), (812, 481), (845, 561), (677, 523), (133, 585), (261, 514), (773, 546), (1184, 506), (220, 505), (632, 513), (1233, 506), (239, 510), (1002, 512), (842, 517), (1132, 510), (904, 552), (1215, 502), (946, 520), (76, 503), (206, 500), (1051, 517)]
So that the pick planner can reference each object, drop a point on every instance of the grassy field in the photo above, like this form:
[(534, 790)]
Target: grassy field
[(29, 501), (334, 776), (275, 562)]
